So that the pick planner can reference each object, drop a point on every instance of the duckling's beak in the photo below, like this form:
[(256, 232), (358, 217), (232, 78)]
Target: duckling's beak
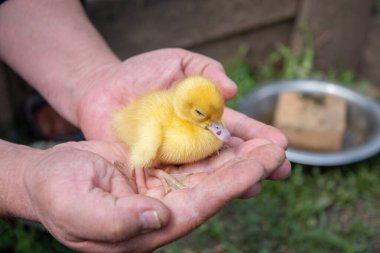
[(219, 130)]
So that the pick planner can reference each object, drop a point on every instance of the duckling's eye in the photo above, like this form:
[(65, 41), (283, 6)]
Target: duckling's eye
[(199, 113)]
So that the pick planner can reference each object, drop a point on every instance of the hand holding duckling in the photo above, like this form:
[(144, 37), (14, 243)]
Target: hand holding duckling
[(114, 87), (257, 150)]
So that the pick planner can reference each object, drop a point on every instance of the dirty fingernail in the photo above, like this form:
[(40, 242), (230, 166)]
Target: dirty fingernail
[(150, 220)]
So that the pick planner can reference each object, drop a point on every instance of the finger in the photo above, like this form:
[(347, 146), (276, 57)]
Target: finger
[(198, 171), (216, 161), (197, 64), (247, 128), (115, 219), (270, 156), (228, 183), (218, 76), (233, 142), (279, 174), (252, 191), (282, 172)]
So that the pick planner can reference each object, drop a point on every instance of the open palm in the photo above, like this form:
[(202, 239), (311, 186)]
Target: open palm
[(90, 206)]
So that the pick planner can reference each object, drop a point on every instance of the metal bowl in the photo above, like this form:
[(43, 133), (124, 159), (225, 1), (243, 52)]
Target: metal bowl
[(361, 138)]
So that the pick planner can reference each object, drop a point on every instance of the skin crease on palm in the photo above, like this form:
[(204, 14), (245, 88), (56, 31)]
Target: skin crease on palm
[(74, 189)]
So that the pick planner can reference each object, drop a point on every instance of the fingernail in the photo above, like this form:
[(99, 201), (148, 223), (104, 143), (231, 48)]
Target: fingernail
[(150, 220)]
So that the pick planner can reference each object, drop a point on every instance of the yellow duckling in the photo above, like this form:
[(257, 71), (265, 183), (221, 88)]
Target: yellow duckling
[(175, 126)]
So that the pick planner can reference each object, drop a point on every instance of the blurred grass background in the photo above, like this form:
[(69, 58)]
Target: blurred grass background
[(332, 209)]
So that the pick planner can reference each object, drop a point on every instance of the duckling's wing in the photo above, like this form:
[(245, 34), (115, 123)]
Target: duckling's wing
[(143, 153)]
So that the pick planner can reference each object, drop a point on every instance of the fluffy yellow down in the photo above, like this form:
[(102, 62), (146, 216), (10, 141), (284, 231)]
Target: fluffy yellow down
[(170, 126)]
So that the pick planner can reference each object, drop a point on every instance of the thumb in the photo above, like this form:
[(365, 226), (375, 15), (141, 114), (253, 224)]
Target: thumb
[(197, 64), (217, 74), (118, 218)]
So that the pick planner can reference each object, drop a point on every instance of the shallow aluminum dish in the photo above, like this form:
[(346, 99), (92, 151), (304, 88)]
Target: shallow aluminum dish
[(361, 138)]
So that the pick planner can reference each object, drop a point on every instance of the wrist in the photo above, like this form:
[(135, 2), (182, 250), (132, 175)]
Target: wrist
[(14, 161)]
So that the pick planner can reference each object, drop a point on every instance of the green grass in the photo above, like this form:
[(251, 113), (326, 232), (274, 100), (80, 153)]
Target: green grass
[(377, 3), (22, 237), (316, 210)]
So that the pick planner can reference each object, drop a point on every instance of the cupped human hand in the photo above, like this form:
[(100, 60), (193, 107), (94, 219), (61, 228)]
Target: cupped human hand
[(114, 86), (81, 198), (86, 203)]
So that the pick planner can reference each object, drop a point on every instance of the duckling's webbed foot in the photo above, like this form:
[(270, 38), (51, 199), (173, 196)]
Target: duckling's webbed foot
[(138, 177), (168, 181), (128, 173)]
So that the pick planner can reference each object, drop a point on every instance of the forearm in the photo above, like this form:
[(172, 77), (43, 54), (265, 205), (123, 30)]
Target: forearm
[(14, 160), (52, 45)]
